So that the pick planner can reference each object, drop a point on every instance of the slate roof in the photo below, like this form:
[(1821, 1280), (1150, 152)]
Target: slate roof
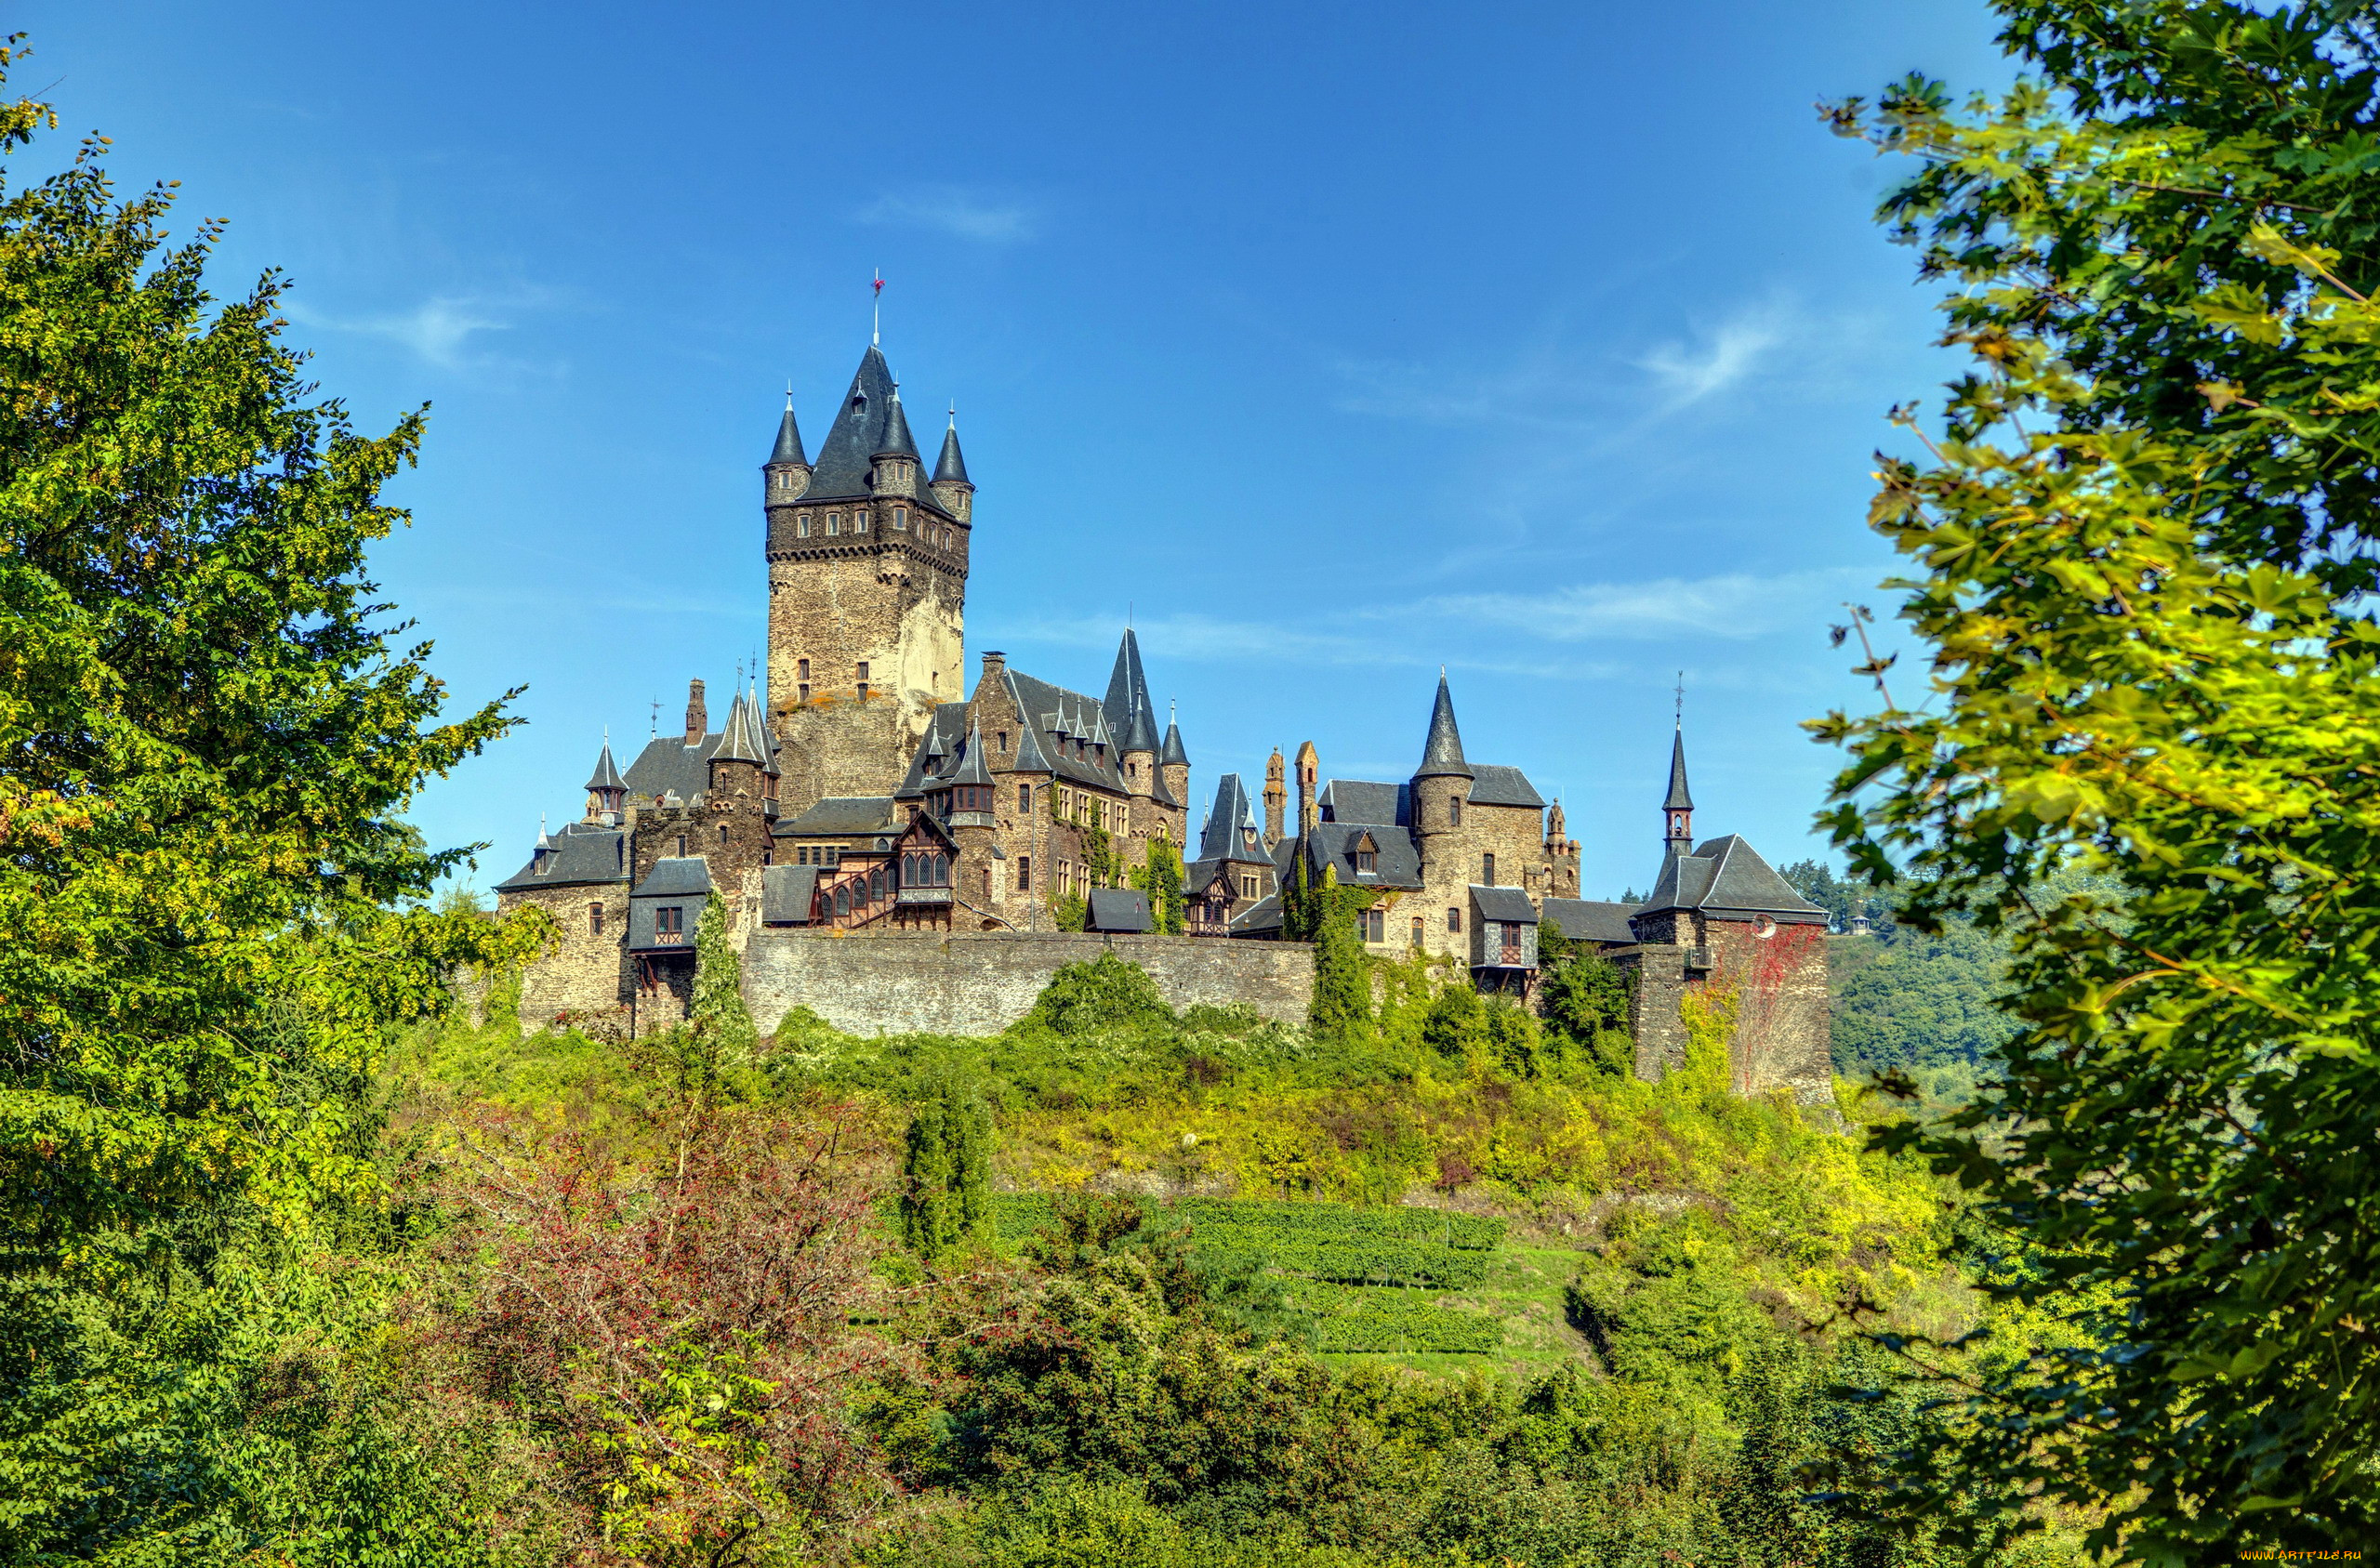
[(1397, 863), (840, 816), (1360, 800), (785, 894), (1130, 713), (1590, 920), (896, 441), (1505, 905), (950, 468), (1118, 909), (935, 749), (1679, 798), (1442, 751), (1260, 918), (1726, 876), (744, 738), (668, 763), (674, 876), (1494, 786), (582, 854), (857, 435), (606, 776), (1173, 752), (970, 768), (788, 446), (1231, 826), (1058, 713)]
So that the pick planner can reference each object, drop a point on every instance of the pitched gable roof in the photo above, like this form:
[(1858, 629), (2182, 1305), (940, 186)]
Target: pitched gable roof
[(582, 854), (1493, 785), (1362, 800), (1726, 876), (1591, 921)]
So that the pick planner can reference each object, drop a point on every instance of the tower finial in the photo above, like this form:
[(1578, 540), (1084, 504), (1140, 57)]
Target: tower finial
[(876, 333), (1681, 699), (654, 733), (954, 413), (788, 395)]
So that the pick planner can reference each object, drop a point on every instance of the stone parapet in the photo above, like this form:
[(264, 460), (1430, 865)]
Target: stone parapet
[(979, 982)]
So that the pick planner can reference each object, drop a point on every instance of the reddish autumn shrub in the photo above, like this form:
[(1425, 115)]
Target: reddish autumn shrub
[(675, 1335)]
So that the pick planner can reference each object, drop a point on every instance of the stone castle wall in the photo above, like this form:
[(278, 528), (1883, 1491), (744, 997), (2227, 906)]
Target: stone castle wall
[(979, 982), (1783, 1034)]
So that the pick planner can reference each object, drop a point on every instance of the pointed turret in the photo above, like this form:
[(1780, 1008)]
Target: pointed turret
[(951, 467), (1442, 752), (1130, 716), (1174, 767), (897, 441), (1677, 808), (743, 740), (1174, 755), (788, 448), (606, 791), (786, 475), (951, 485)]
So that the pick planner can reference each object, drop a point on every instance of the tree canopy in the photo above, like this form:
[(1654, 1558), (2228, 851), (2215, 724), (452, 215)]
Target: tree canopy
[(2141, 531)]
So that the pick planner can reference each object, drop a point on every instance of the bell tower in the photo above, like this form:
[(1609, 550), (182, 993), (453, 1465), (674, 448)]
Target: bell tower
[(867, 593)]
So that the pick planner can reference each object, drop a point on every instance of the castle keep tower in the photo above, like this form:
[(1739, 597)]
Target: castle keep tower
[(868, 591)]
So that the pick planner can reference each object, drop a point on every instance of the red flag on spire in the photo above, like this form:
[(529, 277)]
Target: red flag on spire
[(880, 285)]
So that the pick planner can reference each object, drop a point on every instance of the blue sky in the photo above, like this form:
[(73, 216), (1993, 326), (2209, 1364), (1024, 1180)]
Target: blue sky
[(1334, 342)]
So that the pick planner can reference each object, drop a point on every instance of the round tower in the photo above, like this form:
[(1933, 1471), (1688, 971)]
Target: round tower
[(951, 487), (1442, 783), (785, 478)]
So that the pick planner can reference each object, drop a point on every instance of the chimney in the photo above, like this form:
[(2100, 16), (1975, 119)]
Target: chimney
[(1276, 797), (697, 716), (994, 663)]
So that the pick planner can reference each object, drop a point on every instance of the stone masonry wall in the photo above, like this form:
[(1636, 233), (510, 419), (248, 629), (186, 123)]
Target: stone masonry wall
[(1783, 1037), (979, 982)]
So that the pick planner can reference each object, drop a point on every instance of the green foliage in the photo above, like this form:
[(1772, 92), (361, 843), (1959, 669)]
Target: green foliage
[(944, 1165), (1106, 994), (1841, 897), (1161, 880), (1069, 912), (210, 907), (2142, 547), (1584, 999), (716, 1012), (1342, 975)]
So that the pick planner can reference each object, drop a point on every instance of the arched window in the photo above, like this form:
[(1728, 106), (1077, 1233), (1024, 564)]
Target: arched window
[(843, 899), (940, 871), (722, 836)]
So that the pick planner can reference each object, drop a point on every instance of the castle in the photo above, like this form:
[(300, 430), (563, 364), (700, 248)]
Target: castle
[(869, 794)]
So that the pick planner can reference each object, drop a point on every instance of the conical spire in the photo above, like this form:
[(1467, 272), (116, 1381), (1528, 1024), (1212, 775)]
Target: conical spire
[(897, 441), (1680, 798), (788, 447), (1173, 755), (951, 468), (742, 742), (1130, 714), (606, 776), (1442, 752)]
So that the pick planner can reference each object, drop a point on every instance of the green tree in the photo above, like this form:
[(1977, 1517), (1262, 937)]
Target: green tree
[(946, 1170), (1584, 1001), (2141, 541), (210, 910), (1342, 1010)]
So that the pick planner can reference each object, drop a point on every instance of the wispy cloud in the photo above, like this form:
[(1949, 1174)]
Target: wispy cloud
[(1735, 606), (1716, 359), (443, 331), (971, 215)]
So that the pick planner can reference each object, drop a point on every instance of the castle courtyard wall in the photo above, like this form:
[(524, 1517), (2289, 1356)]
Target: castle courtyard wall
[(979, 982)]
